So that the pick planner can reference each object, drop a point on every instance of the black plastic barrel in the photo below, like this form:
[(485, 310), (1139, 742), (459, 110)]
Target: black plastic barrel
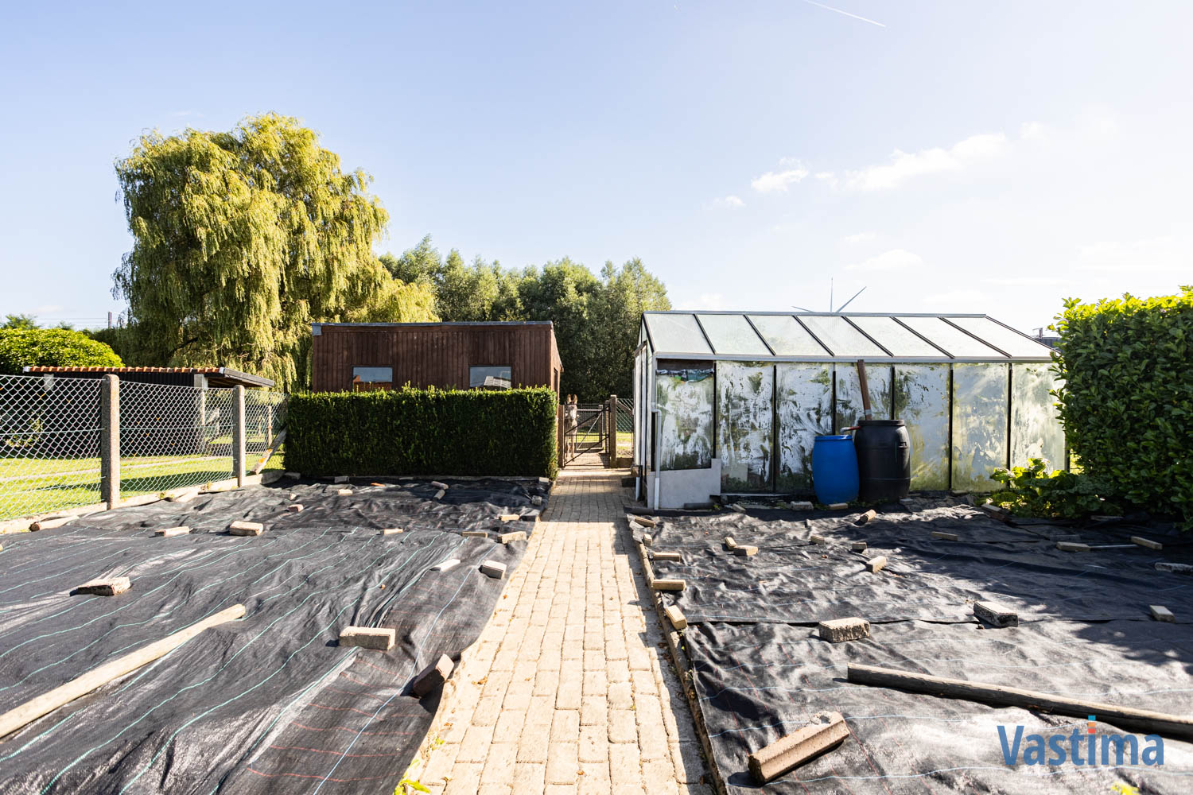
[(883, 460)]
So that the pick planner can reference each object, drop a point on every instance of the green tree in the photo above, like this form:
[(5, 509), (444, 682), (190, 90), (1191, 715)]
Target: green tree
[(241, 240), (51, 347), (625, 293), (19, 322)]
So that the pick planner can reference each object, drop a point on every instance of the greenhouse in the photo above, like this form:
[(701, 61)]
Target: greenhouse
[(731, 402)]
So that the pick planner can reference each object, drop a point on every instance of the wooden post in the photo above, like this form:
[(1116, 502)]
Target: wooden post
[(109, 441), (238, 435)]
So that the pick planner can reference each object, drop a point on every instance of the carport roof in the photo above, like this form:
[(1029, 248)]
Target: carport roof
[(811, 336)]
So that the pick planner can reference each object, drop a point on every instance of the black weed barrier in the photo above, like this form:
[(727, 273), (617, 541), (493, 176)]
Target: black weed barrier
[(269, 703)]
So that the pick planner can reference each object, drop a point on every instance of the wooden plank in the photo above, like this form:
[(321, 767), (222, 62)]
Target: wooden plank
[(1139, 720), (46, 703)]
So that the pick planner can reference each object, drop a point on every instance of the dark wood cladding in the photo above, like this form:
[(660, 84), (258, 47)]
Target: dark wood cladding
[(439, 355)]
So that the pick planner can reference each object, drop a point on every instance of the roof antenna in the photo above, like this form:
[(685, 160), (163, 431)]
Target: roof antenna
[(850, 301)]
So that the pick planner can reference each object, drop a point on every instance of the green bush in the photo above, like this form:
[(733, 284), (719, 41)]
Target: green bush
[(54, 347), (1127, 399), (1034, 491), (422, 432)]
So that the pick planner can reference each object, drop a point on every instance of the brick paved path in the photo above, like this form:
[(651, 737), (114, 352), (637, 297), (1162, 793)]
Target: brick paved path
[(569, 689)]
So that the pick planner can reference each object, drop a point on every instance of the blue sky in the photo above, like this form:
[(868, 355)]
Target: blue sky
[(988, 157)]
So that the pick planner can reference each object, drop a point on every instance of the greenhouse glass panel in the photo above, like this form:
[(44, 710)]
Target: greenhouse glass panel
[(979, 425), (895, 338), (676, 334), (850, 410), (745, 419), (685, 400), (1036, 431), (1002, 337), (840, 337), (786, 336), (922, 402), (731, 335), (953, 340), (805, 409)]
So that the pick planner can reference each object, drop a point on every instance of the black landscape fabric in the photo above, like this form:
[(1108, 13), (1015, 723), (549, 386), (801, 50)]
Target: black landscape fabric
[(761, 671), (269, 703)]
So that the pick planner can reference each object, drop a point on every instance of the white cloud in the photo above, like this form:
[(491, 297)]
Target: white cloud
[(860, 237), (927, 161), (710, 301), (728, 201), (828, 178), (956, 299), (894, 260), (773, 181), (1165, 254)]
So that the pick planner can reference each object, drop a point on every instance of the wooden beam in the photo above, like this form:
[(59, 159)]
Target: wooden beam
[(46, 703), (1129, 718), (277, 442)]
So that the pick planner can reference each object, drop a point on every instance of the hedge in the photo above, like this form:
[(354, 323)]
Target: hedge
[(422, 432), (1127, 399), (54, 347)]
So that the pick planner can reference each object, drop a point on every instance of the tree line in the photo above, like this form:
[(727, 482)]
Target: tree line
[(242, 239)]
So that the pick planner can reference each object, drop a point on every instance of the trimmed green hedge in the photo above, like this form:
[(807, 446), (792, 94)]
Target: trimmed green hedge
[(1127, 402), (422, 432), (52, 347)]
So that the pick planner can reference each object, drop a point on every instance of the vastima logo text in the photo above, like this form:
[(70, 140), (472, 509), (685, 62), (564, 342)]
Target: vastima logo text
[(1081, 748)]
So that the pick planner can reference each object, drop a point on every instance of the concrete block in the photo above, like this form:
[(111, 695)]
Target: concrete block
[(676, 617), (995, 614), (246, 528), (531, 516), (944, 536), (667, 585), (858, 546), (645, 521), (184, 496), (494, 569), (1175, 568), (517, 535), (446, 565), (440, 485), (340, 479), (475, 534), (647, 540), (1146, 542), (745, 551), (544, 481), (391, 531), (819, 540), (168, 532), (730, 543), (50, 522), (536, 500), (433, 676), (866, 517), (108, 586), (344, 492), (368, 638), (826, 730), (674, 557), (1071, 546), (801, 506), (839, 506), (1161, 613), (838, 630), (295, 508), (876, 565), (509, 517), (439, 494)]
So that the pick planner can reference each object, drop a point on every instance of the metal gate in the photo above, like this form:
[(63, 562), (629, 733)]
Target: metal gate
[(588, 436)]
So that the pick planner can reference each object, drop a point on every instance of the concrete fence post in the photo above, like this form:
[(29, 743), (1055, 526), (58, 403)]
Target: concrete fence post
[(238, 435), (109, 441), (268, 425), (613, 430)]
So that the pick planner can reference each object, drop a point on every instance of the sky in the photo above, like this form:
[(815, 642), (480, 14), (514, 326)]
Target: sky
[(947, 156)]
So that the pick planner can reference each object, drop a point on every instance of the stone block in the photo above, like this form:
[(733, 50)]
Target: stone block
[(295, 508), (517, 535), (433, 676), (801, 506), (647, 540), (858, 546), (439, 494), (944, 536), (1146, 542), (667, 585), (826, 730), (730, 543), (838, 630), (815, 539), (446, 565), (676, 617), (475, 534), (876, 564), (168, 532), (108, 586), (645, 521), (246, 528), (745, 551), (440, 485), (1071, 546), (494, 569), (995, 614), (509, 517), (866, 517), (1161, 613), (673, 557), (344, 492), (839, 506), (1175, 568), (391, 531), (374, 638)]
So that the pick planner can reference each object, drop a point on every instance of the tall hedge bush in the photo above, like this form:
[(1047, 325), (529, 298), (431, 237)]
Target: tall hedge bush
[(422, 432), (1127, 400), (53, 347)]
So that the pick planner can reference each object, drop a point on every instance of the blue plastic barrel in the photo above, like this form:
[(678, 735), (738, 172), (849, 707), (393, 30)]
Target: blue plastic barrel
[(834, 469)]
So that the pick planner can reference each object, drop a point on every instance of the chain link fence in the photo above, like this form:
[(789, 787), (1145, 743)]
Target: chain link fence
[(170, 437), (49, 443)]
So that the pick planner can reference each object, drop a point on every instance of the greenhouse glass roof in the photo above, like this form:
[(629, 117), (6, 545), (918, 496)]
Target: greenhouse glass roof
[(810, 336)]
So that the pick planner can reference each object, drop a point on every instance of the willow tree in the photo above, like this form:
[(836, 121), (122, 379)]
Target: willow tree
[(241, 240)]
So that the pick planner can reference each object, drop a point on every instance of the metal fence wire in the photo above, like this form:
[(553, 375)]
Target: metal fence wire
[(49, 443), (264, 419)]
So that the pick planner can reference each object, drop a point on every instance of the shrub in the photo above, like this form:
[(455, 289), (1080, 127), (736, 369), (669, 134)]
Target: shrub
[(55, 347), (1034, 491), (422, 432), (1127, 399)]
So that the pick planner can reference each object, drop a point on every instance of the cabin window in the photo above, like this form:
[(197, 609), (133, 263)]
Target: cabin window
[(490, 377), (367, 379)]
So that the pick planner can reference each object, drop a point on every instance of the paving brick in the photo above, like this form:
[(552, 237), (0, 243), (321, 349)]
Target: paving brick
[(465, 779), (623, 727), (475, 745), (494, 569), (433, 676), (1146, 542), (621, 696), (169, 532), (825, 730), (246, 528), (565, 726), (995, 614), (1161, 613), (745, 551), (393, 531), (839, 630), (943, 536), (876, 565), (499, 766), (562, 763)]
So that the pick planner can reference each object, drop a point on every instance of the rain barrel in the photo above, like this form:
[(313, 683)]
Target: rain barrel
[(883, 460), (834, 469)]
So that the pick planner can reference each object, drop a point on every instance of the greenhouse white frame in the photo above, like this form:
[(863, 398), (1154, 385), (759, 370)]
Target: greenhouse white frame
[(731, 402)]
